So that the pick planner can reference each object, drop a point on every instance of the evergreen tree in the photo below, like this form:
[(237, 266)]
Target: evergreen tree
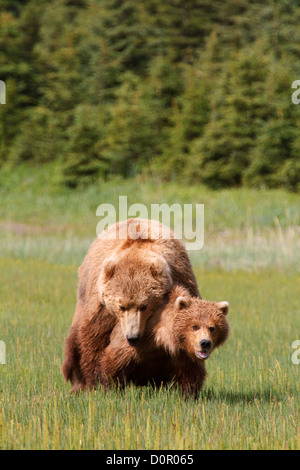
[(222, 154), (193, 89), (17, 70), (275, 157), (190, 113), (129, 144), (85, 162)]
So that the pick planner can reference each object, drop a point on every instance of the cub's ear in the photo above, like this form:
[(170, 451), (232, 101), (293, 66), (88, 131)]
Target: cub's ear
[(109, 267), (182, 302), (223, 307)]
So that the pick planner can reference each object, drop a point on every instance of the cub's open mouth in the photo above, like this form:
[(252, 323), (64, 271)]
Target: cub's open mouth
[(202, 354)]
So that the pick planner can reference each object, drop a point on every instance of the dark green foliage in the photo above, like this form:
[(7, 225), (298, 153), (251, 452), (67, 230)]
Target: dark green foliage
[(222, 154), (198, 90), (84, 157)]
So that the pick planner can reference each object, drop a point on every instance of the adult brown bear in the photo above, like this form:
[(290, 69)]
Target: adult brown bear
[(125, 277)]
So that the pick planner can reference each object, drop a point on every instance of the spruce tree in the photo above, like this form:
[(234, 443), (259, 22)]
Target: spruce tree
[(222, 154)]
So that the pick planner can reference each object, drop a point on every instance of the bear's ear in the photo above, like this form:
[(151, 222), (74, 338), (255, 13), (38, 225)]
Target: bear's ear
[(182, 302), (159, 267), (223, 307), (109, 267)]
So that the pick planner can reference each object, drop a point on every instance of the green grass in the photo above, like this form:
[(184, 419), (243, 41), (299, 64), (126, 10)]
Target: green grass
[(251, 258), (35, 198), (244, 229), (250, 399)]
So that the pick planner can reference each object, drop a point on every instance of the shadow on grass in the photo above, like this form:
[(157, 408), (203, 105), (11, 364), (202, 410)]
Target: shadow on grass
[(249, 396), (171, 392)]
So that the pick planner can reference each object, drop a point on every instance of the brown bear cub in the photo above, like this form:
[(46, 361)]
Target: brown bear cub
[(124, 279), (174, 348)]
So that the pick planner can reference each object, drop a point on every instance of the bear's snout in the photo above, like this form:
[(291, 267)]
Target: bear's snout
[(133, 340), (205, 344)]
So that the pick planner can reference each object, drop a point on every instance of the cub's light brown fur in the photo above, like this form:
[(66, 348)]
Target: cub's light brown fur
[(134, 274), (171, 347)]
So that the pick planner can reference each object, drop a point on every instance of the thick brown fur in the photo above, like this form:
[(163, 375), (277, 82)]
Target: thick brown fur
[(170, 348), (130, 273)]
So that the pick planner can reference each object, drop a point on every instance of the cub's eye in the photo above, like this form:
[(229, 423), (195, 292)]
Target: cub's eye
[(195, 327), (122, 308), (211, 329), (143, 308)]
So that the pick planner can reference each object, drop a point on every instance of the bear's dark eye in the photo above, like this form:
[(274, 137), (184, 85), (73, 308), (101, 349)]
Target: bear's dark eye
[(143, 308), (122, 308), (211, 329), (195, 327)]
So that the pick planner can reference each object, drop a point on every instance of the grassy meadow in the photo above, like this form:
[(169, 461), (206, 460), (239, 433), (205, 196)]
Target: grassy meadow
[(251, 257)]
